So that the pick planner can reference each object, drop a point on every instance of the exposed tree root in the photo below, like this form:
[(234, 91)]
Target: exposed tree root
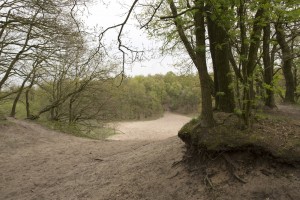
[(232, 167), (207, 180), (239, 178), (177, 162), (174, 175)]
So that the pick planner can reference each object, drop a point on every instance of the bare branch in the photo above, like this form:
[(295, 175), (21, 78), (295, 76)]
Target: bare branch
[(178, 14), (152, 16)]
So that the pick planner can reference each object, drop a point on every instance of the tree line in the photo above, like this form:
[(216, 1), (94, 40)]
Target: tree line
[(137, 98), (249, 43), (45, 49)]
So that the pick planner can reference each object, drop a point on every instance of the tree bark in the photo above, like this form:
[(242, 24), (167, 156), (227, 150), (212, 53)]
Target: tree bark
[(28, 114), (287, 62), (14, 106), (219, 48), (206, 113), (249, 64), (268, 67), (213, 56), (198, 57)]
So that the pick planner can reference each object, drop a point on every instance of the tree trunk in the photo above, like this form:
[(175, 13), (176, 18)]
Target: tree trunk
[(297, 95), (220, 56), (27, 104), (216, 81), (27, 96), (14, 106), (198, 57), (71, 113), (287, 62), (211, 32), (250, 64), (268, 67), (243, 55), (206, 113)]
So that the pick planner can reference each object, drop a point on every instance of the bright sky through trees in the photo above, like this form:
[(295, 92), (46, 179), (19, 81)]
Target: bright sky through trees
[(111, 13)]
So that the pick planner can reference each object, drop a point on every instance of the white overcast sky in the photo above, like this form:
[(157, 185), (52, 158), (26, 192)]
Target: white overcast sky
[(114, 13)]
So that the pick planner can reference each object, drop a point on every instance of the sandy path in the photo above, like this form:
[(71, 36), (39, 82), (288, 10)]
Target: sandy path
[(159, 129), (37, 164)]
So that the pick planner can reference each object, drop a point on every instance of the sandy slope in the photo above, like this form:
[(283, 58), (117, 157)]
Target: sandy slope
[(159, 129), (36, 163)]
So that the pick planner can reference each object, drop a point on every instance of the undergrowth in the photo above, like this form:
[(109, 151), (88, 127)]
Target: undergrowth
[(79, 130)]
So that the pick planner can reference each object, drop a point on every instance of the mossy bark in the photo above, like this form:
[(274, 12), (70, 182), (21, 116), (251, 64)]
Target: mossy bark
[(219, 49), (268, 67), (287, 59)]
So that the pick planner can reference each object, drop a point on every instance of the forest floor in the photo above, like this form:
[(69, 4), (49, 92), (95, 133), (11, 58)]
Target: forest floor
[(38, 163)]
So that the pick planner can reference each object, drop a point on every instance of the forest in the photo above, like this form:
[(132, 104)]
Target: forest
[(50, 67), (239, 82), (105, 100)]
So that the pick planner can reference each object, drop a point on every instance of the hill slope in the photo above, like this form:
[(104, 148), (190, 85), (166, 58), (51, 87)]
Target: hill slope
[(37, 163)]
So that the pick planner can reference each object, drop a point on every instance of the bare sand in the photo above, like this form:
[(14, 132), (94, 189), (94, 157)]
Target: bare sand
[(158, 129), (37, 163)]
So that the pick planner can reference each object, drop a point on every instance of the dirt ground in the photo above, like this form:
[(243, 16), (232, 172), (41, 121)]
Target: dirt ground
[(159, 129), (37, 163)]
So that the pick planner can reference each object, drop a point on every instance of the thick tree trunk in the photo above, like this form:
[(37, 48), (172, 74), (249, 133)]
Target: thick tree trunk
[(268, 67), (287, 62), (220, 56), (207, 113), (198, 57), (211, 32), (216, 81)]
